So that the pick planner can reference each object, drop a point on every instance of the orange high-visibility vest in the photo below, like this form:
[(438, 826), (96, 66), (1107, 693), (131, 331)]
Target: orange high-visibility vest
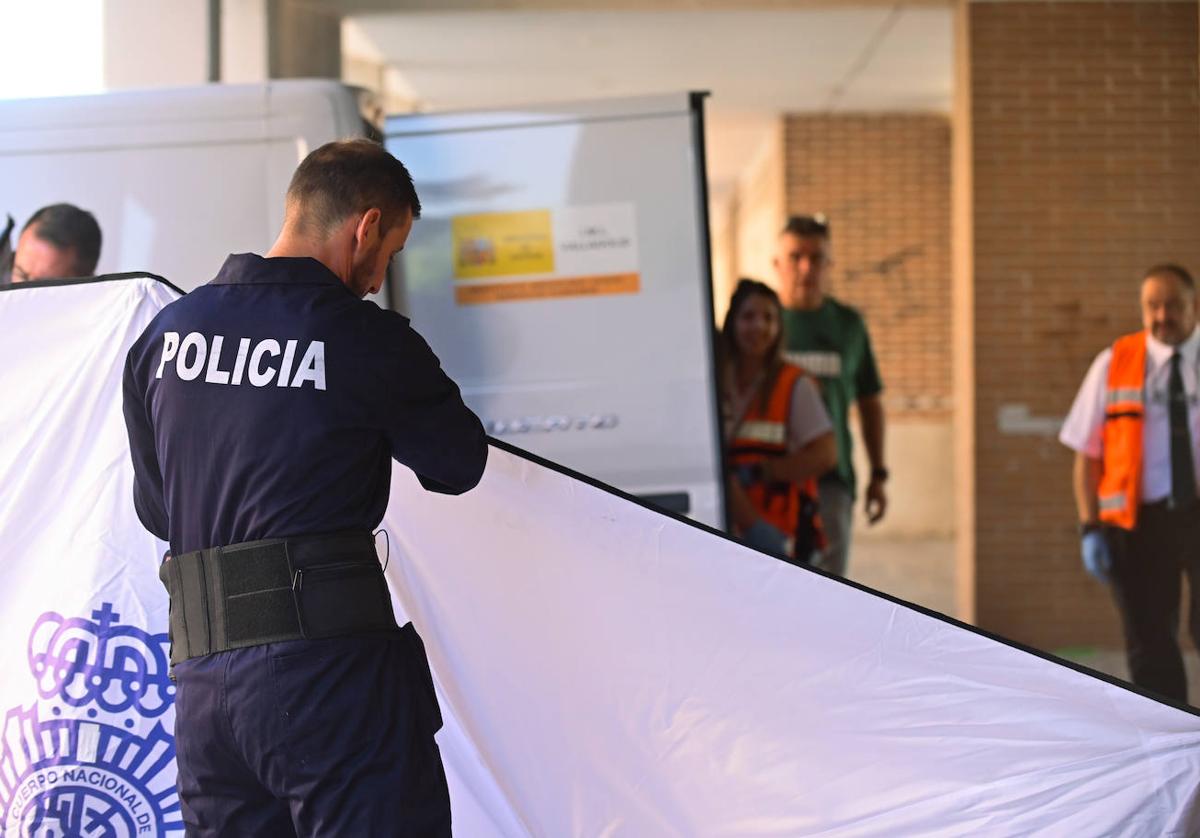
[(1120, 489), (761, 435)]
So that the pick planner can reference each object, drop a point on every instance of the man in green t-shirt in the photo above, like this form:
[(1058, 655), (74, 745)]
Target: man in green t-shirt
[(829, 339)]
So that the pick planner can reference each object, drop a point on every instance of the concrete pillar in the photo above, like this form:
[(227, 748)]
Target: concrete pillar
[(305, 40), (278, 39)]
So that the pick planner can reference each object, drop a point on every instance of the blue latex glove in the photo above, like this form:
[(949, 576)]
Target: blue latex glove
[(765, 537), (1096, 557)]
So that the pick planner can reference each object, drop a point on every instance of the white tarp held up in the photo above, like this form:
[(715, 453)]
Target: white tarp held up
[(87, 708), (604, 669), (613, 671)]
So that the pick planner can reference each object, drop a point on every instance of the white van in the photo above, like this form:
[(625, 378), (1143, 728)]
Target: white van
[(590, 343)]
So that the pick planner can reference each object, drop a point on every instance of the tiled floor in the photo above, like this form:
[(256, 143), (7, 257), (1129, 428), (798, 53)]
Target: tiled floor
[(921, 571)]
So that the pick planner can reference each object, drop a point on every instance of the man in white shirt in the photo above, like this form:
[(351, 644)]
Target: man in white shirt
[(1135, 430)]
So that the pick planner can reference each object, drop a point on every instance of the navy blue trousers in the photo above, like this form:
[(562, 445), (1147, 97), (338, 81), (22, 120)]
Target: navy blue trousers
[(311, 738), (1149, 563)]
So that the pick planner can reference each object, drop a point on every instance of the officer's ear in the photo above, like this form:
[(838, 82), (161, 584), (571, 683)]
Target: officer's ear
[(368, 229)]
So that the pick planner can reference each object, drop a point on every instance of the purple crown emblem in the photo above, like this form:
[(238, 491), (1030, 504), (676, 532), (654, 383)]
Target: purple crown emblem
[(80, 763), (115, 667)]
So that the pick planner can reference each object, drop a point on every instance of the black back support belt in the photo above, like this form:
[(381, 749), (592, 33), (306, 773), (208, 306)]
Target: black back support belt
[(272, 590)]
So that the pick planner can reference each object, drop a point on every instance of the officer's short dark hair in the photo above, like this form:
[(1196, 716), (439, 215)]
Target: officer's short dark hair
[(68, 227), (806, 226), (348, 177), (1170, 269)]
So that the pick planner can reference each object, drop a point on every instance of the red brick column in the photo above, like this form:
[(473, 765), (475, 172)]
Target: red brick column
[(1083, 127)]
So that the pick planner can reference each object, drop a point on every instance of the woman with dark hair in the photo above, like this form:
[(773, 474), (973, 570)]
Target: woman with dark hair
[(777, 433)]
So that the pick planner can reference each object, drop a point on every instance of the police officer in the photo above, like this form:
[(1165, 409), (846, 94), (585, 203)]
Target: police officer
[(263, 411)]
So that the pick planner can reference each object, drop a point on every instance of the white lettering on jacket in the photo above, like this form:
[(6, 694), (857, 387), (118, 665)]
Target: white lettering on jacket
[(820, 364), (187, 359)]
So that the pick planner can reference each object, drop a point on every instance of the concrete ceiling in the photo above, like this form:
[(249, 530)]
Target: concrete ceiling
[(756, 63)]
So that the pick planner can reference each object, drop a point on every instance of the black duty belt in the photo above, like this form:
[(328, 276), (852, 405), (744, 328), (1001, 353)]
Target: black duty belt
[(272, 590)]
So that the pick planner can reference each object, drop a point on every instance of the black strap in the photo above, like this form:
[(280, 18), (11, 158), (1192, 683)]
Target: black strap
[(268, 591)]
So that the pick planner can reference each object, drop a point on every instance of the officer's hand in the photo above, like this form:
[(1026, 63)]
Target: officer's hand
[(765, 537), (876, 501), (1096, 557)]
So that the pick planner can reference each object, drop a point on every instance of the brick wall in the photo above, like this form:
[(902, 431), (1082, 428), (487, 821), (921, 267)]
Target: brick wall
[(884, 183), (1086, 169)]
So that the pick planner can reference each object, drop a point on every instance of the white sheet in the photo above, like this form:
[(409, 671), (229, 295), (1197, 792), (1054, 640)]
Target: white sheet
[(86, 744), (612, 671)]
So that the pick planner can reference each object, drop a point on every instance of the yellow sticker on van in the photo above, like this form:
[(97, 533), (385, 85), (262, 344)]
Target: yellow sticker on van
[(502, 244)]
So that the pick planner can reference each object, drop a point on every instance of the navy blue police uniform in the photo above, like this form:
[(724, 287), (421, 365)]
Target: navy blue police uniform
[(265, 408)]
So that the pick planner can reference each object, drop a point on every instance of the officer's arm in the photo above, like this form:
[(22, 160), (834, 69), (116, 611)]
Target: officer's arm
[(147, 476), (1086, 483), (816, 457), (432, 431), (1083, 433), (870, 419)]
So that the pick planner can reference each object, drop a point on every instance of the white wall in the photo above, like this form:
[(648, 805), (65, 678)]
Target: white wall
[(165, 43), (761, 208), (745, 214), (152, 43), (920, 486), (51, 48), (244, 41)]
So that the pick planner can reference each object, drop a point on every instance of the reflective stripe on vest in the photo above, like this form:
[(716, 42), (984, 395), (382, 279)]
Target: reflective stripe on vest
[(1111, 502), (763, 431), (1119, 493), (1124, 395)]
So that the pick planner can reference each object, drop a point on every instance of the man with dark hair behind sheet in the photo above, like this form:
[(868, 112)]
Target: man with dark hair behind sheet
[(264, 410), (57, 242), (6, 250)]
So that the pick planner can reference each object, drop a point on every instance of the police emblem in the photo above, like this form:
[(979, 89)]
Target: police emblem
[(92, 757)]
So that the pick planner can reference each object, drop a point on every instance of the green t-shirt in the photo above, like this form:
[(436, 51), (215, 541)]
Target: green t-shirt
[(832, 344)]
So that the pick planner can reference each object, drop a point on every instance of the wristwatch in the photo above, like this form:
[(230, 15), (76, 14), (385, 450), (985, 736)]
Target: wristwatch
[(880, 474), (1086, 527)]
